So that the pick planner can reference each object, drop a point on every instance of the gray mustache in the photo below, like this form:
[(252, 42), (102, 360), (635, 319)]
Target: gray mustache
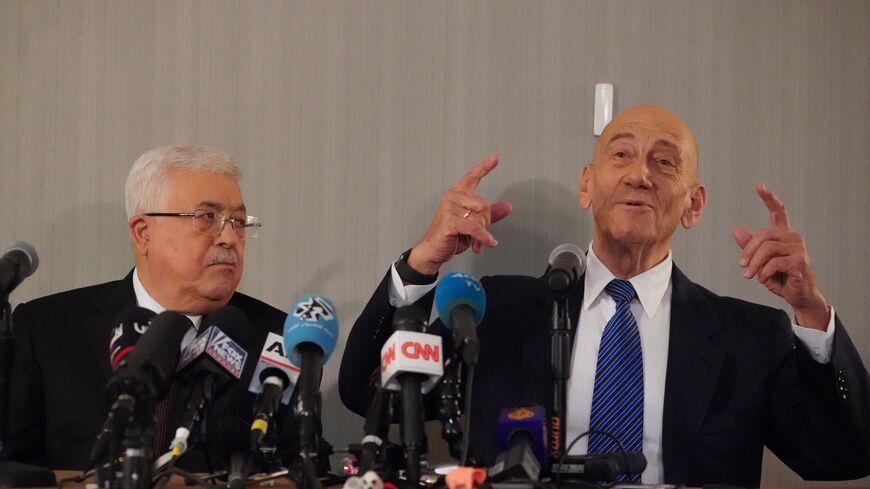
[(224, 257)]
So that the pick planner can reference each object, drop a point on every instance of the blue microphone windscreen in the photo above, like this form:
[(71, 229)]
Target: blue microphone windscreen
[(313, 319), (459, 288)]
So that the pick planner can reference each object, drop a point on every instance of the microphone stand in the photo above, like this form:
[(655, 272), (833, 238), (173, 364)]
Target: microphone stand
[(560, 368), (449, 411), (13, 474)]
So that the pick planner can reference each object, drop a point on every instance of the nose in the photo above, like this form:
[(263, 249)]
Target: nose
[(227, 237), (637, 173)]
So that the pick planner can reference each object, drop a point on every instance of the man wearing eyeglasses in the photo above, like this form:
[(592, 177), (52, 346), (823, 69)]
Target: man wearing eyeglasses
[(188, 227)]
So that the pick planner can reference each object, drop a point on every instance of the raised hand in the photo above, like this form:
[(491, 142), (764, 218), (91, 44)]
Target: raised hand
[(462, 221), (778, 257)]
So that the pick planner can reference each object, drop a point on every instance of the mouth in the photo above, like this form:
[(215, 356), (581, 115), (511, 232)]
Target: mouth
[(634, 204)]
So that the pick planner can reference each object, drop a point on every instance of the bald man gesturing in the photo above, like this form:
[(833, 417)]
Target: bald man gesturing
[(698, 382)]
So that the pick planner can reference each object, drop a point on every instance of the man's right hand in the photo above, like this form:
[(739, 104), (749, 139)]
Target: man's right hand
[(462, 221)]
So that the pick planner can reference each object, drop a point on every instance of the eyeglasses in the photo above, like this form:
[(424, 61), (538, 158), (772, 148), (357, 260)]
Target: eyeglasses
[(208, 221)]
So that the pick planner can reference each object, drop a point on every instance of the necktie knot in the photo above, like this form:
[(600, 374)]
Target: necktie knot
[(621, 290)]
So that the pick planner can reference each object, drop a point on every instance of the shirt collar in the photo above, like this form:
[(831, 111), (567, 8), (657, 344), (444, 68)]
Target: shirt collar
[(144, 299), (650, 285)]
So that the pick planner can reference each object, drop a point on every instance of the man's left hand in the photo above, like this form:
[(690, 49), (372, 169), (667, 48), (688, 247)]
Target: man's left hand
[(778, 257)]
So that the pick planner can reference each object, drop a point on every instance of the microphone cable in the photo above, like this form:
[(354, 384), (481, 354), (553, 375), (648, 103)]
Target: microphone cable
[(578, 438)]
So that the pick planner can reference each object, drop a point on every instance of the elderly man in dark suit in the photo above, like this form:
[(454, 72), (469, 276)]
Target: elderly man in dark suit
[(698, 382), (188, 226)]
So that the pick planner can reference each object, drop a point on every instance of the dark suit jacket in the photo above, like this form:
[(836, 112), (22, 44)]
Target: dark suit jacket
[(735, 381), (61, 366)]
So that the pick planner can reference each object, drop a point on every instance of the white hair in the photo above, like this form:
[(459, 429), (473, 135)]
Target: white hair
[(148, 180)]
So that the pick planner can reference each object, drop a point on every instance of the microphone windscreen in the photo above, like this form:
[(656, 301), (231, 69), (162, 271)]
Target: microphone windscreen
[(568, 256), (160, 348), (31, 259), (410, 318), (229, 319), (459, 289), (312, 320), (131, 325), (525, 420)]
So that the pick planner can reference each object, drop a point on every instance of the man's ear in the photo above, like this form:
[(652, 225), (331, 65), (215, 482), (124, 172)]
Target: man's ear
[(584, 186), (140, 234), (697, 201)]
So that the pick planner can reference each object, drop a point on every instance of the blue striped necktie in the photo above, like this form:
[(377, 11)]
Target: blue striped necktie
[(617, 398)]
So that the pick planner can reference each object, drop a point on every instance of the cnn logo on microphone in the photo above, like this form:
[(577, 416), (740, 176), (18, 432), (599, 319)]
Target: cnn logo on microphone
[(411, 352)]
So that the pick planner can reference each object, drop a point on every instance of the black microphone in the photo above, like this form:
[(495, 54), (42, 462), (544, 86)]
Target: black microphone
[(601, 467), (142, 379), (146, 371), (19, 261), (273, 380), (449, 410), (210, 365), (233, 449), (132, 324), (376, 427), (566, 264)]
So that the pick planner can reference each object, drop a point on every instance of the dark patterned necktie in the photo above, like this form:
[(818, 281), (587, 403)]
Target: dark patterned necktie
[(617, 398), (162, 418)]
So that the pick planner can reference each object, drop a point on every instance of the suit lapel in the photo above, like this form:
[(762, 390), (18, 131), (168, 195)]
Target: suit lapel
[(693, 369), (100, 323)]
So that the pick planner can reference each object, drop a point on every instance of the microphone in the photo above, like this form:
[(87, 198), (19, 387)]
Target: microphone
[(461, 301), (132, 324), (18, 262), (310, 336), (232, 447), (411, 363), (376, 427), (449, 411), (273, 380), (566, 264), (602, 467), (146, 371), (210, 365), (522, 437), (142, 378)]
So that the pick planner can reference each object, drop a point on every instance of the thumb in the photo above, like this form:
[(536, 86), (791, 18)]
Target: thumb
[(741, 236)]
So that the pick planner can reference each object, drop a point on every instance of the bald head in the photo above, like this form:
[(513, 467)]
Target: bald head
[(652, 117)]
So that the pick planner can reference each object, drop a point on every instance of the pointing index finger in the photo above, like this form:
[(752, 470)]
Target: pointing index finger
[(469, 182), (778, 217)]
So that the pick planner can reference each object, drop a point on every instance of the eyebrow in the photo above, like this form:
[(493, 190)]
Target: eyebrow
[(219, 207), (622, 135), (667, 144)]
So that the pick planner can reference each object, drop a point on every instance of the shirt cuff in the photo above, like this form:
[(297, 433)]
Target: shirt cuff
[(819, 344), (405, 295)]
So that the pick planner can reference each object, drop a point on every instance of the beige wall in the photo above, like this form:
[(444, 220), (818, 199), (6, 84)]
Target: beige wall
[(350, 118)]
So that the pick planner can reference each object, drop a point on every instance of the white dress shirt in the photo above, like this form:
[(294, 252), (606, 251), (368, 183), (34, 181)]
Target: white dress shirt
[(144, 299), (652, 311)]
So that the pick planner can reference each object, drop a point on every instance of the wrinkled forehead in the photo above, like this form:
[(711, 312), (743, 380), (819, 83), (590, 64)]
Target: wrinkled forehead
[(651, 122)]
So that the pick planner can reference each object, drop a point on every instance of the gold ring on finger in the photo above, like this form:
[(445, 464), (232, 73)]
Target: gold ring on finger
[(467, 213)]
